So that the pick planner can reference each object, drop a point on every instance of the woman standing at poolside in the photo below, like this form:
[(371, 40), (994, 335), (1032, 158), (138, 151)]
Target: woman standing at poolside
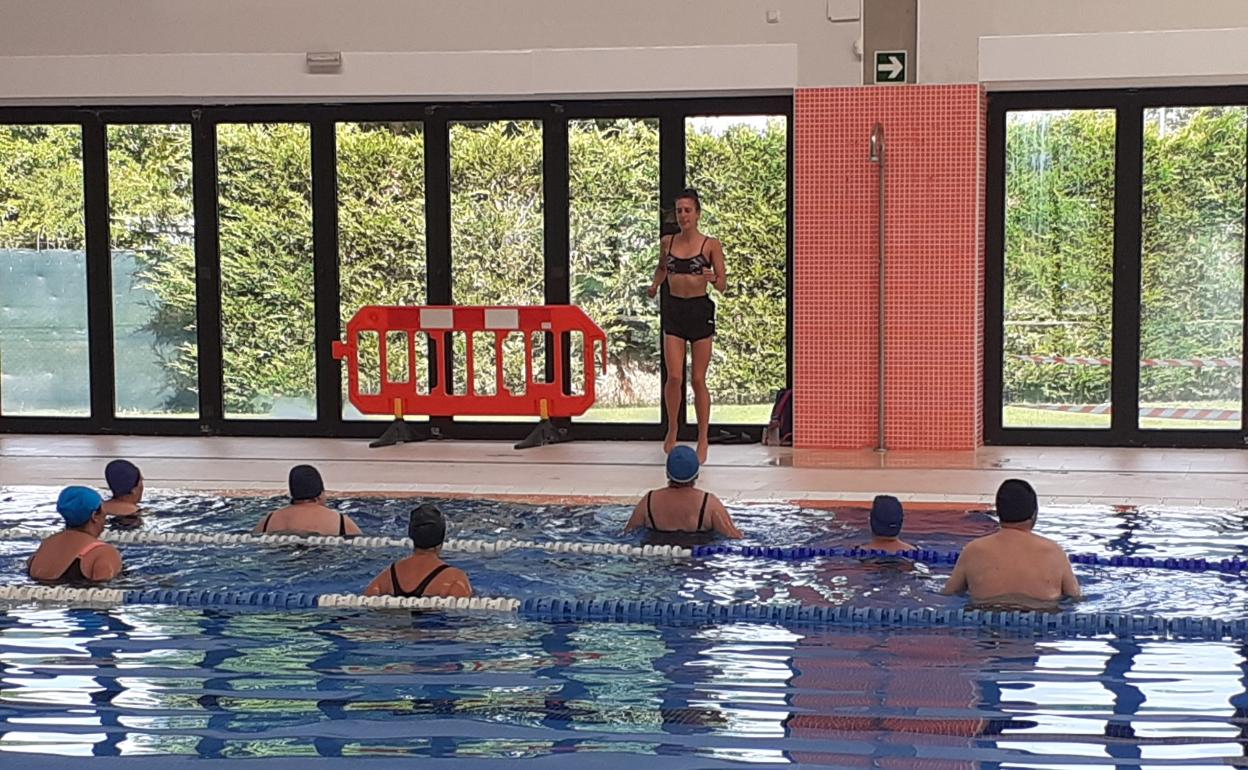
[(689, 262)]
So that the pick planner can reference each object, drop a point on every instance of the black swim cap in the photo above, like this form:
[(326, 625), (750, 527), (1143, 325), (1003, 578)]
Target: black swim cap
[(1016, 501), (426, 527), (305, 483)]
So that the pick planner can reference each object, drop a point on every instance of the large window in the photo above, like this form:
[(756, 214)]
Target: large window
[(152, 239), (1116, 271), (739, 166), (497, 231), (381, 239), (1192, 293), (265, 211), (188, 269), (1059, 257), (613, 212), (44, 356)]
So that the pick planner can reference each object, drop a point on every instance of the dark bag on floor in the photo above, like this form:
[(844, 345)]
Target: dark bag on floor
[(780, 429)]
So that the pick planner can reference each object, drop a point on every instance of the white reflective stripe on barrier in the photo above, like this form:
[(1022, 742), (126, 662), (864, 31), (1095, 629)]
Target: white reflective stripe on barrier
[(62, 595), (466, 546)]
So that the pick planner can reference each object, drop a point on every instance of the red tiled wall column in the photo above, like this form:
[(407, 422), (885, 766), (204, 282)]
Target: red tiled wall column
[(934, 240)]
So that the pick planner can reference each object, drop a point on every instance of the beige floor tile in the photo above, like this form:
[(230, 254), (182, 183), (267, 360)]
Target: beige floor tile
[(624, 469)]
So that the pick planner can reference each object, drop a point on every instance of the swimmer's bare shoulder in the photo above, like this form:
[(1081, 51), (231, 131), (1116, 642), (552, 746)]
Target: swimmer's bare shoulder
[(721, 520), (101, 564), (457, 583), (969, 559)]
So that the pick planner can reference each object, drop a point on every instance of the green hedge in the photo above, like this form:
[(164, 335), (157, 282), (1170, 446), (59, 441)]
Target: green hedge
[(265, 214), (1060, 252)]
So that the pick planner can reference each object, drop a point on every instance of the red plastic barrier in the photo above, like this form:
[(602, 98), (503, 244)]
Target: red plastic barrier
[(442, 324)]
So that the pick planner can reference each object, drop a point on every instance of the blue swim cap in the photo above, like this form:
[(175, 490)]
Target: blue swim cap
[(886, 516), (122, 476), (77, 505), (682, 465)]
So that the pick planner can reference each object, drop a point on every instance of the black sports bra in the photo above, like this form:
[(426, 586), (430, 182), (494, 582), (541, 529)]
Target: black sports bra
[(342, 524), (695, 265), (701, 517), (419, 590)]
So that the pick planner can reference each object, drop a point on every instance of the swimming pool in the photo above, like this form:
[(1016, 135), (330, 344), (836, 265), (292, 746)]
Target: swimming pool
[(207, 685)]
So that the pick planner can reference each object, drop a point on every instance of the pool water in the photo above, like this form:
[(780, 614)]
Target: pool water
[(335, 687)]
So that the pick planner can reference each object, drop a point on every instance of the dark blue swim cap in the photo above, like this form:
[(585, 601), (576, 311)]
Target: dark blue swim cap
[(886, 516), (682, 465), (122, 476)]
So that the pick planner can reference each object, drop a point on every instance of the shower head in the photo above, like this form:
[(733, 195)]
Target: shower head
[(877, 144)]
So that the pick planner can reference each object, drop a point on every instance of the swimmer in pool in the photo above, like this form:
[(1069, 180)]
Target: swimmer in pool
[(307, 514), (681, 507), (126, 483), (76, 555), (886, 520), (423, 573), (1014, 567)]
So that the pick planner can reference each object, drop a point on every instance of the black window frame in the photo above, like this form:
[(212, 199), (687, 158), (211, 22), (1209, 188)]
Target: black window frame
[(323, 119), (1129, 106)]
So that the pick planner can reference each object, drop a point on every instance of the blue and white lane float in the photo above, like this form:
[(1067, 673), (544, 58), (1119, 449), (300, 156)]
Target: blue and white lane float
[(557, 610)]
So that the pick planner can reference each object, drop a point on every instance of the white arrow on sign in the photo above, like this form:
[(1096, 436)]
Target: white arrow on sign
[(893, 68)]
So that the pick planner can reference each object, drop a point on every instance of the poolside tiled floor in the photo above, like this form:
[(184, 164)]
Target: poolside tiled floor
[(623, 469)]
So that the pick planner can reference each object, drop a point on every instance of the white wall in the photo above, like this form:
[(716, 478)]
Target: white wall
[(949, 30), (41, 28)]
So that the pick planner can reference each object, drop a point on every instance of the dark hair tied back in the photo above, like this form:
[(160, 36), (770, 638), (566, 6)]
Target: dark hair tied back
[(692, 195)]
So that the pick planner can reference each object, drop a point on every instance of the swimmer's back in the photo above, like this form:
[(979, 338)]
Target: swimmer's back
[(307, 518), (420, 575), (73, 557), (1014, 563), (682, 510)]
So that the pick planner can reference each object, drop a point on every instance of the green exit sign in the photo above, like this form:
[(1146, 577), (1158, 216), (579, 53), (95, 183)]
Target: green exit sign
[(890, 66)]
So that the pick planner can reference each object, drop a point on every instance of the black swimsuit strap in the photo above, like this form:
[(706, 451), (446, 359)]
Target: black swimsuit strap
[(419, 590), (438, 570), (702, 511), (702, 248), (265, 526), (342, 525), (394, 580), (73, 573), (649, 511)]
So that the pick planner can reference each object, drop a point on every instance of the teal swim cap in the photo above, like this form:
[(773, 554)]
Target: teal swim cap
[(77, 505)]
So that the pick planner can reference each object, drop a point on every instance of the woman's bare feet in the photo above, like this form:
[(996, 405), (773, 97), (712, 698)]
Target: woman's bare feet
[(669, 443), (702, 450)]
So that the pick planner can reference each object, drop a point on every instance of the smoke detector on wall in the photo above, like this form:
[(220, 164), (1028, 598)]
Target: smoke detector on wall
[(844, 10)]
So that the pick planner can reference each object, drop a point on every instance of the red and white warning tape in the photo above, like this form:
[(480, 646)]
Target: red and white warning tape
[(1165, 363), (1166, 413)]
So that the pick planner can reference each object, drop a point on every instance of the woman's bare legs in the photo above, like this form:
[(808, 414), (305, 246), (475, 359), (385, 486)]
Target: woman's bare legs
[(674, 357), (701, 395)]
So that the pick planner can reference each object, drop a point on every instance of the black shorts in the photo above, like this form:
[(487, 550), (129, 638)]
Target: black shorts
[(690, 318)]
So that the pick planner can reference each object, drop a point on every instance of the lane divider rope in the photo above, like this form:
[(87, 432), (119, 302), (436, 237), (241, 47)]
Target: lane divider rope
[(549, 609), (1231, 566), (462, 545)]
